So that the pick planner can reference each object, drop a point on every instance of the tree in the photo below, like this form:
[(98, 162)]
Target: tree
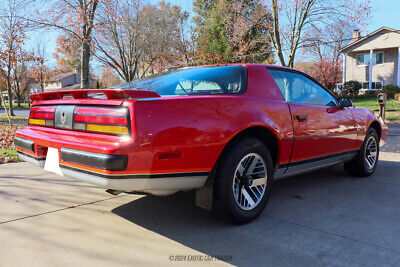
[(39, 70), (135, 39), (327, 72), (324, 48), (12, 37), (232, 31), (20, 83), (108, 78), (307, 66), (212, 41), (76, 18), (68, 53), (3, 84), (291, 19)]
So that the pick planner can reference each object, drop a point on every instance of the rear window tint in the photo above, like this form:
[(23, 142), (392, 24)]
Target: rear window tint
[(216, 80)]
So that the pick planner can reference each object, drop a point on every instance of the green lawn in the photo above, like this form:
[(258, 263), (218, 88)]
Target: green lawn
[(24, 105), (8, 155), (371, 102), (15, 105)]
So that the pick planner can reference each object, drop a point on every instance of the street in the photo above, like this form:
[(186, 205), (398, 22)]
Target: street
[(323, 218), (18, 112)]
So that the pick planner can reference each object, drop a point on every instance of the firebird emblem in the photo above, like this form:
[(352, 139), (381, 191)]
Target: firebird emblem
[(63, 117)]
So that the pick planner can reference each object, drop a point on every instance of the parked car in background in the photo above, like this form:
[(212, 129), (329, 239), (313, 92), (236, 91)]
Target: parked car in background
[(231, 129)]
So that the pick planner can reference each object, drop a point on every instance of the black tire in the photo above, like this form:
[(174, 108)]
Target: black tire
[(225, 204), (359, 166)]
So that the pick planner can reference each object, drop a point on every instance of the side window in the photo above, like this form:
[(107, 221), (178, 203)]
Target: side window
[(281, 82), (297, 88)]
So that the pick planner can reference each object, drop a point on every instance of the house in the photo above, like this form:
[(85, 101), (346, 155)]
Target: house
[(34, 88), (66, 81), (373, 60)]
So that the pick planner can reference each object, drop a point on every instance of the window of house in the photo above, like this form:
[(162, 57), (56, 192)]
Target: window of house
[(363, 59), (379, 58), (375, 85)]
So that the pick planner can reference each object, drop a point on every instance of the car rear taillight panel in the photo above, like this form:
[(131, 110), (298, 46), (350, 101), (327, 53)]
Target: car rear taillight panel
[(42, 115), (109, 120), (103, 120)]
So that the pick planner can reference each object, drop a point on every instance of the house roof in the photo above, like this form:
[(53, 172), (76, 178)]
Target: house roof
[(60, 76), (72, 87), (368, 36), (34, 85)]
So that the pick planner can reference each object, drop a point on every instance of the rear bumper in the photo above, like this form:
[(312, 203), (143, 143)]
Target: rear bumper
[(38, 161), (109, 170), (158, 184), (95, 160)]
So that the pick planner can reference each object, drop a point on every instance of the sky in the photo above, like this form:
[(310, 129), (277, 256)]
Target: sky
[(384, 13)]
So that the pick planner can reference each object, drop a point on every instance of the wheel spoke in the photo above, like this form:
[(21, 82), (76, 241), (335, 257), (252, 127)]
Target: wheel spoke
[(259, 181), (247, 197), (252, 165), (369, 162), (240, 169)]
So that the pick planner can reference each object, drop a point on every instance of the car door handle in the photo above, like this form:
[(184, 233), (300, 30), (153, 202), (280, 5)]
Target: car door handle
[(300, 118)]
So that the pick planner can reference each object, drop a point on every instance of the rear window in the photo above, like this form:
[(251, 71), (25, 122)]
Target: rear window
[(218, 80)]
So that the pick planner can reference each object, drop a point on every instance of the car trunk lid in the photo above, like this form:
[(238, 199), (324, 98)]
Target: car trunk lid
[(89, 110)]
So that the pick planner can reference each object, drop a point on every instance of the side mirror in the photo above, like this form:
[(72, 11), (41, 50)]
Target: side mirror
[(345, 103)]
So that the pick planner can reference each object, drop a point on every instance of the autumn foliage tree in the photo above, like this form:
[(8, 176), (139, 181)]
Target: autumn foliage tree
[(12, 38), (76, 18), (293, 19), (68, 53), (39, 70), (21, 81), (135, 39), (323, 48), (232, 31), (327, 72), (108, 78)]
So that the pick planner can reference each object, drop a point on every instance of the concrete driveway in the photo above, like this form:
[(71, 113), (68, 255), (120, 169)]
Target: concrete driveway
[(324, 218)]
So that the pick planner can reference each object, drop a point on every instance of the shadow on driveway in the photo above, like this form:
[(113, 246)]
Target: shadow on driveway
[(323, 217)]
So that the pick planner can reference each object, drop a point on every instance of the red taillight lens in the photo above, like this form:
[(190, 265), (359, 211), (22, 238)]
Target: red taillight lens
[(47, 109), (117, 112), (104, 120), (37, 115), (101, 119), (42, 115)]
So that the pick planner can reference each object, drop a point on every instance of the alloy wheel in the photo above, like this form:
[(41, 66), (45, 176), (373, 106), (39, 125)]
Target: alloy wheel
[(371, 152), (250, 181)]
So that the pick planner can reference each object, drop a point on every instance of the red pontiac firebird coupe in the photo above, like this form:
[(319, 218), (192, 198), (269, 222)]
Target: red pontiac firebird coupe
[(225, 130)]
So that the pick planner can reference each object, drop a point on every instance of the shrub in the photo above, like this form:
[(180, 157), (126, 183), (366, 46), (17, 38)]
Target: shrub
[(369, 93), (351, 87), (391, 90)]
